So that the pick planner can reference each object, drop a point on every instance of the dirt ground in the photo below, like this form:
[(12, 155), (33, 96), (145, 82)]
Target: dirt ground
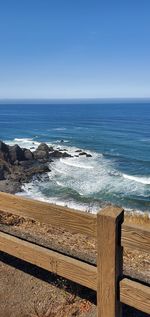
[(28, 291)]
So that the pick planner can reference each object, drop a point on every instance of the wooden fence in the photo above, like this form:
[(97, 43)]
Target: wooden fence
[(112, 235)]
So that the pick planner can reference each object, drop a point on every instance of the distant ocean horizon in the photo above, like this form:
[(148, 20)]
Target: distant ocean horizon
[(115, 132)]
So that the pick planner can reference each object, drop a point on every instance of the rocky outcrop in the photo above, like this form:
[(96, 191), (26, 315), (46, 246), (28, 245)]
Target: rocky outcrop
[(14, 153), (43, 147), (86, 154), (17, 165), (2, 177), (80, 153), (28, 155), (59, 154), (42, 152), (4, 151), (4, 170)]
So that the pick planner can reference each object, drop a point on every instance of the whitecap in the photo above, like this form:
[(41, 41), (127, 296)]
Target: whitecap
[(145, 140), (24, 143), (59, 129), (60, 141), (23, 139), (78, 165), (142, 180)]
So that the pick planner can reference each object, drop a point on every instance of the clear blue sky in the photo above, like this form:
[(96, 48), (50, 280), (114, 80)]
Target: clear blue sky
[(74, 48)]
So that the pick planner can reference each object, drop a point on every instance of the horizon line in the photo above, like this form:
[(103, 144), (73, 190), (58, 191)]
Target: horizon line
[(12, 100)]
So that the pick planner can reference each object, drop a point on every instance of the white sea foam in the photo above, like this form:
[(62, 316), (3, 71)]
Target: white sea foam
[(136, 211), (95, 177), (23, 140), (73, 164), (31, 191), (27, 143), (142, 180), (60, 184), (60, 141)]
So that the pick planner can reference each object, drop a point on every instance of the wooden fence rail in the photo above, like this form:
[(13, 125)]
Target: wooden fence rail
[(111, 234)]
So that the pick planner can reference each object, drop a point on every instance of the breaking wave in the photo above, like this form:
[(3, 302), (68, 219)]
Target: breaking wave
[(85, 183), (142, 180)]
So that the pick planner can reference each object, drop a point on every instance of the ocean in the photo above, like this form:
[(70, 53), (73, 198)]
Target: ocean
[(116, 134)]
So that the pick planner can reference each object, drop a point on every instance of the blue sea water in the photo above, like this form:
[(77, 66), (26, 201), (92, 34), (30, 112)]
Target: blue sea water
[(117, 134)]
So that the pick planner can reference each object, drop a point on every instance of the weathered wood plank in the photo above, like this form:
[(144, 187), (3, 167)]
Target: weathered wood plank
[(71, 220), (75, 270), (109, 261), (136, 237), (135, 294)]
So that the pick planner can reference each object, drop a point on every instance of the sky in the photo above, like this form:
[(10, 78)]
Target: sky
[(74, 49)]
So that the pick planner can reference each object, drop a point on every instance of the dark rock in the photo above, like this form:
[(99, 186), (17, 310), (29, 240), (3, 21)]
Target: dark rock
[(43, 147), (4, 169), (62, 150), (2, 173), (58, 154), (39, 154), (78, 151), (42, 152), (55, 154), (10, 186), (15, 153), (88, 155), (38, 169), (4, 151), (62, 141), (51, 149), (66, 155), (82, 153), (28, 155), (3, 147), (20, 165), (16, 162), (27, 163)]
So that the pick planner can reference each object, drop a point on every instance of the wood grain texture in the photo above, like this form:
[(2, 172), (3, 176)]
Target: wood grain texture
[(135, 294), (136, 237), (72, 269), (71, 220), (109, 261)]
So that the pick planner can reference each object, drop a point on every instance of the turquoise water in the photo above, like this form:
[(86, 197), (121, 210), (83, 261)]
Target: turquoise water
[(116, 134)]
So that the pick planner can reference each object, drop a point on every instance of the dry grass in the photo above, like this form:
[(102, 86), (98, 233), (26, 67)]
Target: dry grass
[(71, 307), (142, 219)]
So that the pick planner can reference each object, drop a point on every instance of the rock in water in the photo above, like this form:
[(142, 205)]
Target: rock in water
[(42, 152), (43, 147), (59, 154)]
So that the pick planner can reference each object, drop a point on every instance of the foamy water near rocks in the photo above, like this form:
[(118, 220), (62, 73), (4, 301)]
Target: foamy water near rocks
[(18, 165)]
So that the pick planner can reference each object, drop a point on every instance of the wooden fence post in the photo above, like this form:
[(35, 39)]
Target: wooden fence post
[(109, 261)]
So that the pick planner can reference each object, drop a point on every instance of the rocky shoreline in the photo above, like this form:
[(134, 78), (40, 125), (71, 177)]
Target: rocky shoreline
[(19, 165)]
